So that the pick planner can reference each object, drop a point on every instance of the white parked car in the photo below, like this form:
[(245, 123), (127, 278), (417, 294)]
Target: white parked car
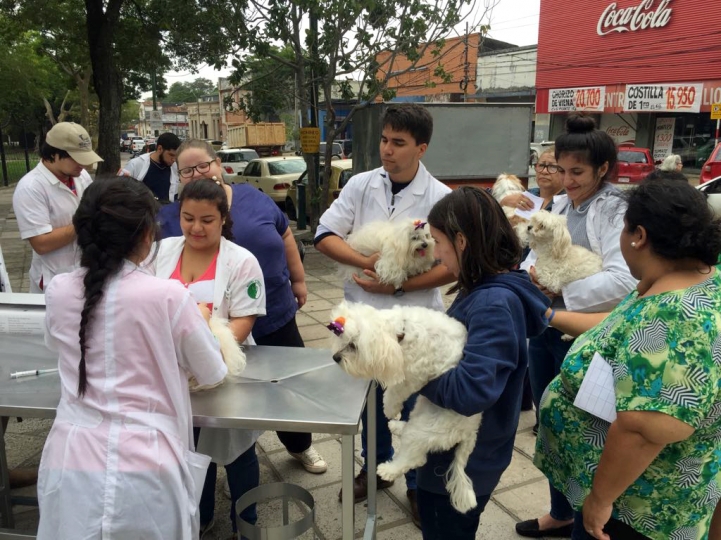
[(273, 175), (233, 162), (137, 145)]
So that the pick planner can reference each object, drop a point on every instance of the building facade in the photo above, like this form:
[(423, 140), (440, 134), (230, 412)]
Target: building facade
[(646, 69), (204, 118), (168, 117)]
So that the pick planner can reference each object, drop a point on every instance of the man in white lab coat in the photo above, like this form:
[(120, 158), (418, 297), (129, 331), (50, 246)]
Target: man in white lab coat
[(402, 188), (46, 198)]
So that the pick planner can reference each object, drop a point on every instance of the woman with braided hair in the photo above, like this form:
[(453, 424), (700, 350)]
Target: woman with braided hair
[(119, 461), (229, 280)]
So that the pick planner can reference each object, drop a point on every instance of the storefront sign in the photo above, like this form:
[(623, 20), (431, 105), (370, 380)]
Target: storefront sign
[(633, 18), (577, 99), (663, 98), (663, 139)]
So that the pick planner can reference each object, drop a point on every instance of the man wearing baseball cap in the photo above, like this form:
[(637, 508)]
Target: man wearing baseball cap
[(46, 198)]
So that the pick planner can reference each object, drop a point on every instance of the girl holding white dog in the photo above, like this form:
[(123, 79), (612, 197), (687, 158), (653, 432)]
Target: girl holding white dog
[(586, 158), (228, 279), (500, 308)]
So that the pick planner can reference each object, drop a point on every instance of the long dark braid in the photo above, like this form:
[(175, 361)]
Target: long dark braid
[(112, 219)]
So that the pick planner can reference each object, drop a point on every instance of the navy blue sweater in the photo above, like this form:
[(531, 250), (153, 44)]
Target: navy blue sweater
[(500, 313)]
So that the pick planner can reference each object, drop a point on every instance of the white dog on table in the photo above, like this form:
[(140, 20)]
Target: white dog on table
[(405, 248), (232, 352), (404, 348)]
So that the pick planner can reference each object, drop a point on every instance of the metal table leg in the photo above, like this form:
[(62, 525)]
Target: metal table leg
[(371, 458), (348, 471), (6, 507)]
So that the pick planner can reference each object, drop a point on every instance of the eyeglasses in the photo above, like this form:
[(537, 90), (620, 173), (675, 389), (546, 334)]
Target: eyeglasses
[(202, 168), (552, 169)]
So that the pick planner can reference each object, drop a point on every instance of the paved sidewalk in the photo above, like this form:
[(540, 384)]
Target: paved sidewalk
[(521, 494)]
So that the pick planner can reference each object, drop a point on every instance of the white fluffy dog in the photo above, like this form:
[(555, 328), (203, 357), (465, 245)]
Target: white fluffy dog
[(405, 248), (233, 354), (559, 262), (404, 348), (506, 184)]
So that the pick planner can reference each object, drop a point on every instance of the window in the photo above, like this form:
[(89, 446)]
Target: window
[(289, 166), (253, 169), (344, 177), (632, 157)]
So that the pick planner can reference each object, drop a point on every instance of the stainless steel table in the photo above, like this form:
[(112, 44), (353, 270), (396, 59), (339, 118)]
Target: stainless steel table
[(286, 389)]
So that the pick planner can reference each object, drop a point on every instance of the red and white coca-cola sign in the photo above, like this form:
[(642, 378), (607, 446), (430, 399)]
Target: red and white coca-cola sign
[(631, 19)]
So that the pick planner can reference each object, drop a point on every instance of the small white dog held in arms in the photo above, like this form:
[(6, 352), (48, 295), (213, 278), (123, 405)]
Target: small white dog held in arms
[(233, 354), (558, 262), (405, 248), (506, 184), (404, 348)]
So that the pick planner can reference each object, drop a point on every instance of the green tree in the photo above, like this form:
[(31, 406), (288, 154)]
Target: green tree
[(187, 91), (345, 44), (265, 89)]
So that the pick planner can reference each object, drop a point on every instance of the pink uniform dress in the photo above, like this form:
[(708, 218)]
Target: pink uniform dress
[(119, 463)]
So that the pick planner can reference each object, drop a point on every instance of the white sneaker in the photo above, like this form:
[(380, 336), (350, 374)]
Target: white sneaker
[(311, 460), (206, 529), (226, 489)]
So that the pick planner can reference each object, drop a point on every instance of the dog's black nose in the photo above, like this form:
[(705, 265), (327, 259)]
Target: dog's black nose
[(337, 358), (424, 245), (530, 227)]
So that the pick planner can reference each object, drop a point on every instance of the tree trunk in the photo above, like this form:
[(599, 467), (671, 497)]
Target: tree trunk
[(83, 83), (107, 80)]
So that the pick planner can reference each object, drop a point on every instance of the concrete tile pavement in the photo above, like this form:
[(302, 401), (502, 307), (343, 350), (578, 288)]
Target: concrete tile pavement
[(521, 494)]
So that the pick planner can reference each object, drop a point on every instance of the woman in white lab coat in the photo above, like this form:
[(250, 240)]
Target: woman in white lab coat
[(119, 461), (229, 280)]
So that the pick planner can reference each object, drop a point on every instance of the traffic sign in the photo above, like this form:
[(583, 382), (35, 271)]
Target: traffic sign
[(310, 140), (716, 111)]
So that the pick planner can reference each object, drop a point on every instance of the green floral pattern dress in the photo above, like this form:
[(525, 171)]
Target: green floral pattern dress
[(665, 352)]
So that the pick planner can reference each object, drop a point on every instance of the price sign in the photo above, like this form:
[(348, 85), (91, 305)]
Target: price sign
[(577, 99), (663, 138), (310, 140), (716, 111), (663, 97)]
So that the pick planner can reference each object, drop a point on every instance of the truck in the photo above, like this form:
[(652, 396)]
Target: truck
[(472, 143), (266, 138)]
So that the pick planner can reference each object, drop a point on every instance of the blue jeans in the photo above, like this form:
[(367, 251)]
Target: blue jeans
[(616, 529), (384, 440), (243, 475), (545, 356), (440, 521)]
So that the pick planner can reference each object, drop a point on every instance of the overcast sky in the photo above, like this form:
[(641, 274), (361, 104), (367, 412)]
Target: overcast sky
[(514, 21)]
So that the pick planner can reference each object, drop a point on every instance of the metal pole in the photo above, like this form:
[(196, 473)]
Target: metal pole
[(25, 148), (6, 180), (155, 103), (717, 129)]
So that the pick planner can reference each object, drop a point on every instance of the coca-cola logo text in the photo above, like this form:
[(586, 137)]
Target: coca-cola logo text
[(633, 18), (618, 131)]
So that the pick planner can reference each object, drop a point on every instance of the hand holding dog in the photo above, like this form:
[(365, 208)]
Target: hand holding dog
[(550, 294), (517, 200), (372, 285), (204, 311)]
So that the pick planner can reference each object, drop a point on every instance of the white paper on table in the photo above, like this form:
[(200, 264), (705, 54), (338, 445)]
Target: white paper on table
[(597, 394), (537, 205)]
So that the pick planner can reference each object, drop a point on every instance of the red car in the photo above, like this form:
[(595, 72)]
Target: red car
[(633, 164), (712, 168)]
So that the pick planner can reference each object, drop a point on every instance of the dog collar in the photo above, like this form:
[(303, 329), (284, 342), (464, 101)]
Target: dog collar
[(337, 326)]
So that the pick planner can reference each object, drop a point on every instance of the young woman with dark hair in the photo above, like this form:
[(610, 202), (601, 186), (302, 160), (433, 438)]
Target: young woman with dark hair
[(228, 279), (263, 229), (500, 308), (586, 159), (655, 467), (126, 342)]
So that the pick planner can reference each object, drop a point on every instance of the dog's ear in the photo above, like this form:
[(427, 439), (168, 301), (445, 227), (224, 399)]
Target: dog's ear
[(561, 240), (384, 355)]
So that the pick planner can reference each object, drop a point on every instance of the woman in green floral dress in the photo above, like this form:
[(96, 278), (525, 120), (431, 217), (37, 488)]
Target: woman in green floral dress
[(655, 471)]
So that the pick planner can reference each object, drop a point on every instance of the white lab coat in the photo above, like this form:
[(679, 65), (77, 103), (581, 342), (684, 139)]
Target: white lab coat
[(366, 198), (236, 270), (602, 291), (138, 167), (43, 203), (119, 462)]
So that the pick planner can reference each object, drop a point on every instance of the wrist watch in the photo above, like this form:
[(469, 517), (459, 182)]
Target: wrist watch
[(399, 292)]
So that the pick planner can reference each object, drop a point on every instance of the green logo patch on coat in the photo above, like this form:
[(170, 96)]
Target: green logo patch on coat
[(254, 289)]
